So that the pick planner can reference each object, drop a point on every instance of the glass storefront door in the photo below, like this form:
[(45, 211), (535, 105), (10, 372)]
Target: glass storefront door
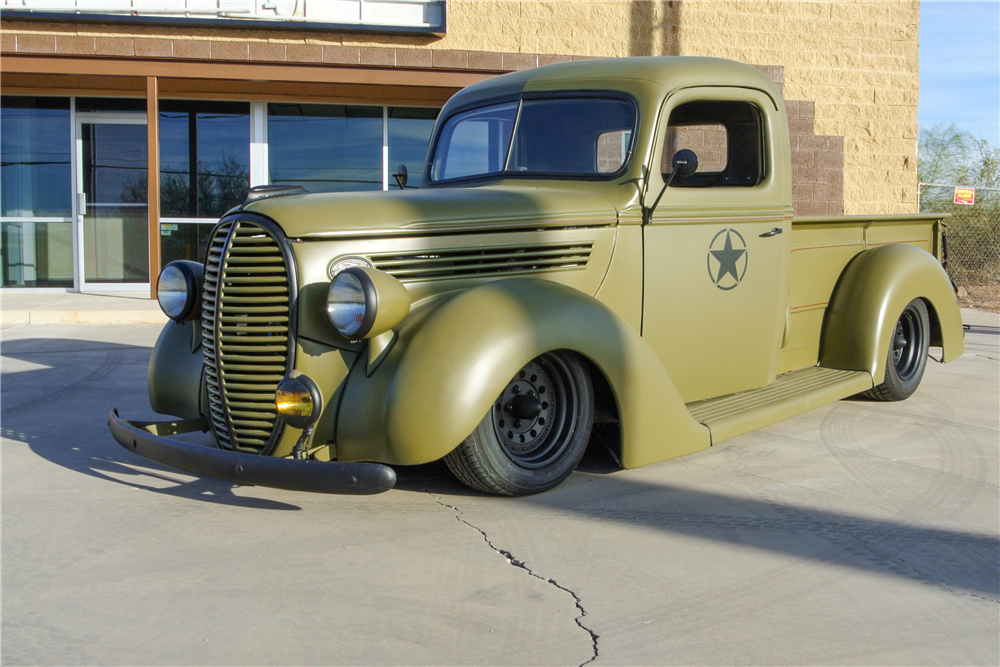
[(114, 216)]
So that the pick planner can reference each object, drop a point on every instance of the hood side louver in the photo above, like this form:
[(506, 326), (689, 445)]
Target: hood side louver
[(482, 262)]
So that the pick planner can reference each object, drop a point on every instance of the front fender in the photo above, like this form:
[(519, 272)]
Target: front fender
[(870, 296), (452, 359), (175, 370)]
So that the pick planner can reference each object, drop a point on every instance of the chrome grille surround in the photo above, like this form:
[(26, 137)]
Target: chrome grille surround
[(483, 262), (248, 327)]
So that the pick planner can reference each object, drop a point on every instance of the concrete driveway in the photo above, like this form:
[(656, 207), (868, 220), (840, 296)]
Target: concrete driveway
[(860, 533)]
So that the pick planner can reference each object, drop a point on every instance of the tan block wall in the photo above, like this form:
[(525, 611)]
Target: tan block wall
[(856, 60)]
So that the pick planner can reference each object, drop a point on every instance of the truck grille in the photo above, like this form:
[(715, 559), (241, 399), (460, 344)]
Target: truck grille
[(247, 332), (482, 262)]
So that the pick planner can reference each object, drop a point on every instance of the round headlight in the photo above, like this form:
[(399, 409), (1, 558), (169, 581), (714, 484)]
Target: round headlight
[(351, 303), (178, 290), (365, 302)]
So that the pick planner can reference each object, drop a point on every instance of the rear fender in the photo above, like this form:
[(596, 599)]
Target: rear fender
[(869, 297), (452, 359)]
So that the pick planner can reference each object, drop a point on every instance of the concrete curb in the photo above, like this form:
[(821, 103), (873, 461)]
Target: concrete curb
[(10, 317), (82, 317), (19, 308)]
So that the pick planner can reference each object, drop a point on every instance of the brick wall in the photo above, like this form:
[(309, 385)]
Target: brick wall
[(848, 68)]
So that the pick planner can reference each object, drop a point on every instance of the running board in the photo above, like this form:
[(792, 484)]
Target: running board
[(789, 395)]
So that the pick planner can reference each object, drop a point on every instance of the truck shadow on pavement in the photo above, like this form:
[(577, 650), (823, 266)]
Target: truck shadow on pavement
[(957, 561), (57, 394), (57, 403)]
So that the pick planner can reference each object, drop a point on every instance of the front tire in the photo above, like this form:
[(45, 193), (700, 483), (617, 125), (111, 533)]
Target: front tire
[(535, 432), (907, 357)]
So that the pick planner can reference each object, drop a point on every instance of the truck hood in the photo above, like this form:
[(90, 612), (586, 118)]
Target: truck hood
[(434, 211)]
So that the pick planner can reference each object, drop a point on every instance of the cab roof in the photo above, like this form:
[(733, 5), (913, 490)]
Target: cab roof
[(669, 72)]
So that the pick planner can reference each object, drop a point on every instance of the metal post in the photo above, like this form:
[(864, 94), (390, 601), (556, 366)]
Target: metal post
[(153, 179)]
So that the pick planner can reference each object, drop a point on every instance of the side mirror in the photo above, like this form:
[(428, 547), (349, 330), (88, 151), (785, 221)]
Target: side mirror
[(684, 163), (400, 176)]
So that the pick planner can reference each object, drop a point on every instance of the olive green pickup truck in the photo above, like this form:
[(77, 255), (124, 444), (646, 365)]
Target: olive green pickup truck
[(607, 241)]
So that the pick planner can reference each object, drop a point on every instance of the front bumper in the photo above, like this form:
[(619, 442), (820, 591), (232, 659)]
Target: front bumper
[(147, 439)]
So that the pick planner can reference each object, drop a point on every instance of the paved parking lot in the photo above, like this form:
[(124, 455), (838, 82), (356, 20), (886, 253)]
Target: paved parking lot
[(860, 533)]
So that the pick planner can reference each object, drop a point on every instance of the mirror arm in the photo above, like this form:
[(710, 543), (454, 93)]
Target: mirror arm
[(649, 211), (684, 163)]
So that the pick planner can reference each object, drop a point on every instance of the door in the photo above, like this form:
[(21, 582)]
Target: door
[(716, 248), (113, 212)]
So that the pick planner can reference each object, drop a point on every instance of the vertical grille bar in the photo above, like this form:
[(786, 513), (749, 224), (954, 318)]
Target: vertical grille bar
[(247, 329)]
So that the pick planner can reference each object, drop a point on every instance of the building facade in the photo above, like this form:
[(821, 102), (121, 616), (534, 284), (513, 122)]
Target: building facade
[(129, 126)]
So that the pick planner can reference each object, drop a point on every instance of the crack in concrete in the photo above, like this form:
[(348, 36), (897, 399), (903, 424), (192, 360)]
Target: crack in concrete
[(520, 564), (986, 357)]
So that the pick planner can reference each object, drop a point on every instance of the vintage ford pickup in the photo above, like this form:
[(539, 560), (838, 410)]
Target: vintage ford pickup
[(606, 240)]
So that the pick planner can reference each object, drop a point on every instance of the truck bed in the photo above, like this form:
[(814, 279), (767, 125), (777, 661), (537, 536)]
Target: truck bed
[(821, 248)]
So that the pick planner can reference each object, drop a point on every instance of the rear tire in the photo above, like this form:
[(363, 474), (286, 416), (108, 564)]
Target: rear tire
[(907, 357), (535, 433)]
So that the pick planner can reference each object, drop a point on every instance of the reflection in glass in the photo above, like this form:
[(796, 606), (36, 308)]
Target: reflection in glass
[(213, 136), (183, 240), (409, 132), (129, 105), (475, 142), (35, 157), (37, 254), (563, 135), (325, 147), (115, 224)]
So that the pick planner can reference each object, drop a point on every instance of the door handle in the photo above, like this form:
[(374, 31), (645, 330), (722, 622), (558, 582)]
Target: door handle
[(773, 232)]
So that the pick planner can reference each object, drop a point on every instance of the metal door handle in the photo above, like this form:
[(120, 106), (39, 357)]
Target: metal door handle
[(773, 232)]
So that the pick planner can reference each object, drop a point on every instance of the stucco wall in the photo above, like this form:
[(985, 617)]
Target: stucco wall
[(857, 61), (851, 67)]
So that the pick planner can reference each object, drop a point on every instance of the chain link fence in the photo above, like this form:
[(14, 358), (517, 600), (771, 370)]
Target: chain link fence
[(973, 242)]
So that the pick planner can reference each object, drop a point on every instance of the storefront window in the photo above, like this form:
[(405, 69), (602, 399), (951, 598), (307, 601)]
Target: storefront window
[(37, 254), (36, 235), (35, 157), (409, 132), (325, 147), (215, 138), (184, 240), (117, 105)]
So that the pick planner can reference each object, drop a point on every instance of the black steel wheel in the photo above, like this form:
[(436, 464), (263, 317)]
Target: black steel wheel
[(907, 356), (534, 434)]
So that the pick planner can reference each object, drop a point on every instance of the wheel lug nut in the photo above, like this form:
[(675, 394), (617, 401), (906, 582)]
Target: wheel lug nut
[(516, 390), (517, 423)]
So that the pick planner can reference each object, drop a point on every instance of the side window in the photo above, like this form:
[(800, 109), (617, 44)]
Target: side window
[(727, 137)]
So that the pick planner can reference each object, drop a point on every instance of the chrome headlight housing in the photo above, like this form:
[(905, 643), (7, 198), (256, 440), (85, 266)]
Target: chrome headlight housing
[(345, 263), (365, 302), (178, 290)]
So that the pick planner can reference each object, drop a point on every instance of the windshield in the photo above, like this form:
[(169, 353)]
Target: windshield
[(565, 136)]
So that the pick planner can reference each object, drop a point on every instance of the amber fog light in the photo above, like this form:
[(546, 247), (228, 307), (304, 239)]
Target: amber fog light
[(298, 401)]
